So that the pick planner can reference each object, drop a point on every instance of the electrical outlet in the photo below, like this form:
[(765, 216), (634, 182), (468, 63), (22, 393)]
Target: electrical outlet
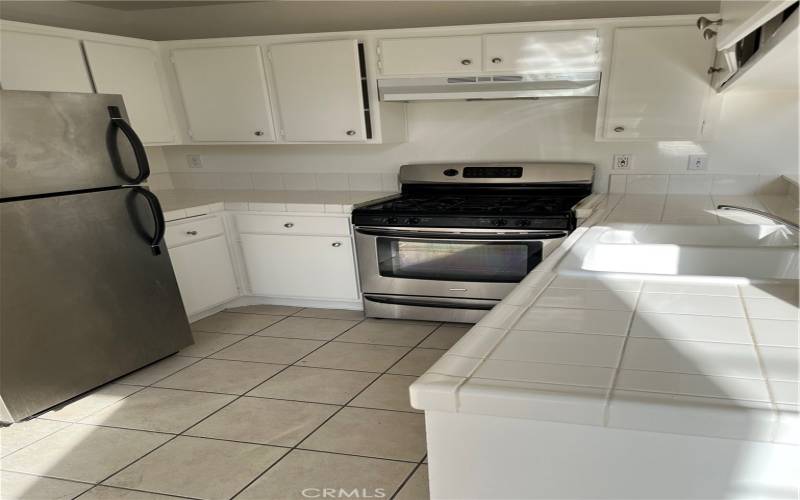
[(623, 161), (697, 162), (195, 161)]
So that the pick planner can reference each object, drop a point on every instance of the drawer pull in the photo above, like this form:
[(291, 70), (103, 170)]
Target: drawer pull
[(191, 233), (497, 60), (466, 62), (289, 225), (336, 244), (619, 129)]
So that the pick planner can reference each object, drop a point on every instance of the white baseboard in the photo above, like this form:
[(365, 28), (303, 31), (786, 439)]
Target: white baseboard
[(250, 300)]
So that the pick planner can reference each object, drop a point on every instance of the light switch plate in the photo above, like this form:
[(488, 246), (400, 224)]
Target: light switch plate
[(697, 162), (623, 161), (194, 161)]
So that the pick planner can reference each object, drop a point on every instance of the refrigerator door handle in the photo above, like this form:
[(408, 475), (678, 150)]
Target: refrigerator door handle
[(158, 218), (119, 123)]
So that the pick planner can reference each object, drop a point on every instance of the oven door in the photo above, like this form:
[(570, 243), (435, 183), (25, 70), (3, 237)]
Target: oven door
[(474, 264)]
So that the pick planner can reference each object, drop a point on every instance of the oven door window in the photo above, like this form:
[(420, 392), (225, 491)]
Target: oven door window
[(446, 260)]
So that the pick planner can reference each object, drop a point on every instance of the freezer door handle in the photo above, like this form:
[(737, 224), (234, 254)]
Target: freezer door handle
[(119, 123), (158, 218)]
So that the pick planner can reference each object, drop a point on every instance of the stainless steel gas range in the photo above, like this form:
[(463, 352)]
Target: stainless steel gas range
[(458, 237)]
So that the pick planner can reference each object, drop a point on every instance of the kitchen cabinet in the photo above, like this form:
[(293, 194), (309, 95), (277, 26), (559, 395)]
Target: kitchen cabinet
[(658, 85), (319, 91), (445, 55), (740, 18), (133, 72), (32, 61), (534, 52), (202, 263), (224, 93)]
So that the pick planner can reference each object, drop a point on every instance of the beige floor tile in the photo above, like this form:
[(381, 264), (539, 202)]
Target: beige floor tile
[(317, 385), (158, 370), (269, 350), (199, 468), (416, 488), (389, 392), (206, 343), (445, 337), (264, 421), (83, 406), (308, 328), (83, 452), (217, 375), (160, 410), (109, 493), (389, 332), (270, 309), (309, 469), (24, 487), (371, 433), (330, 314), (348, 356), (417, 362), (239, 323), (21, 434)]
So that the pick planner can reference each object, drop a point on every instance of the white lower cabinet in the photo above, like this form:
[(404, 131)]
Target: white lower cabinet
[(318, 267), (203, 268)]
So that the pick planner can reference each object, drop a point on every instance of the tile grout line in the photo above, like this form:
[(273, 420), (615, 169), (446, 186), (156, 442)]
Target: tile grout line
[(345, 405)]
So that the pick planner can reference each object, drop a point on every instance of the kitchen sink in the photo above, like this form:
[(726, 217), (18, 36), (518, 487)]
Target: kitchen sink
[(747, 251)]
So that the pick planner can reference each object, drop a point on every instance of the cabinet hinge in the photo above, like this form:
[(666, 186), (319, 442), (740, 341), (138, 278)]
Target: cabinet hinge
[(189, 131), (702, 127), (269, 55)]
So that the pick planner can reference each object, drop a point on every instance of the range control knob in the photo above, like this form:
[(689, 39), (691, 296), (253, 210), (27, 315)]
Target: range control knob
[(499, 222), (523, 223), (392, 220), (413, 220)]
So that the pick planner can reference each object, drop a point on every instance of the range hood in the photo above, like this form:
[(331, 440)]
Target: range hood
[(490, 87)]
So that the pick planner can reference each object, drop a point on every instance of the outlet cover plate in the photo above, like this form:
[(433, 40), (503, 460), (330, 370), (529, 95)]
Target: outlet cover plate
[(623, 161), (697, 162)]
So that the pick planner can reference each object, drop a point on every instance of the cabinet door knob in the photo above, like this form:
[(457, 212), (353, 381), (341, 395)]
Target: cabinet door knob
[(714, 69), (191, 233), (619, 129), (708, 34), (351, 132), (704, 22), (336, 244), (288, 225), (497, 60), (466, 62), (259, 133)]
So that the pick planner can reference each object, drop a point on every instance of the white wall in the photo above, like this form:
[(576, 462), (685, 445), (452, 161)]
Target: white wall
[(757, 133)]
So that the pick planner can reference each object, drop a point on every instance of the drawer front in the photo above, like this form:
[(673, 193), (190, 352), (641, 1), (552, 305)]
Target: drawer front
[(182, 232), (290, 224)]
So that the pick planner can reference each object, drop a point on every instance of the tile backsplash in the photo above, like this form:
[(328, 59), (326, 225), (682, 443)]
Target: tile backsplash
[(719, 184), (285, 181)]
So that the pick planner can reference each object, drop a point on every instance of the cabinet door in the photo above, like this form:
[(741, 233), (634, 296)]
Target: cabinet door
[(224, 93), (42, 62), (446, 55), (542, 52), (659, 84), (319, 267), (741, 18), (319, 93), (204, 273), (133, 73)]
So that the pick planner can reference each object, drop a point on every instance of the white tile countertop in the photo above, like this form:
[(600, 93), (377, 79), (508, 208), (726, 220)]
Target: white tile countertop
[(695, 356), (179, 204)]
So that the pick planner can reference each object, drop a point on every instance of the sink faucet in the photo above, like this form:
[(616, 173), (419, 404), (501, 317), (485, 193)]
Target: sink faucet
[(766, 215)]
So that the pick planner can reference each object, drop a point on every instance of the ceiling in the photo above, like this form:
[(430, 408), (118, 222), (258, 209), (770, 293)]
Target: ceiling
[(175, 20)]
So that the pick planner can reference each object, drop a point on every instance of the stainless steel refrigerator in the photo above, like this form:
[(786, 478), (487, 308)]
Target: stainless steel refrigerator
[(87, 290)]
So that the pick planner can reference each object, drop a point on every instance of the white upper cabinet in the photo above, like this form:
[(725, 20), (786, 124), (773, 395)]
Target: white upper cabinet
[(574, 51), (319, 91), (658, 86), (445, 55), (740, 18), (133, 72), (224, 93), (31, 61)]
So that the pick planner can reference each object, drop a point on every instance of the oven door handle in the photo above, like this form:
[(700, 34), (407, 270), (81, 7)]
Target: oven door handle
[(443, 235)]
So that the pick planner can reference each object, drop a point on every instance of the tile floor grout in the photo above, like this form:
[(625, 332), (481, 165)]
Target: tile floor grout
[(435, 326)]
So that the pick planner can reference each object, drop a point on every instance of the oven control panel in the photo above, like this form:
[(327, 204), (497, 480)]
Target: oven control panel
[(554, 222), (491, 172)]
